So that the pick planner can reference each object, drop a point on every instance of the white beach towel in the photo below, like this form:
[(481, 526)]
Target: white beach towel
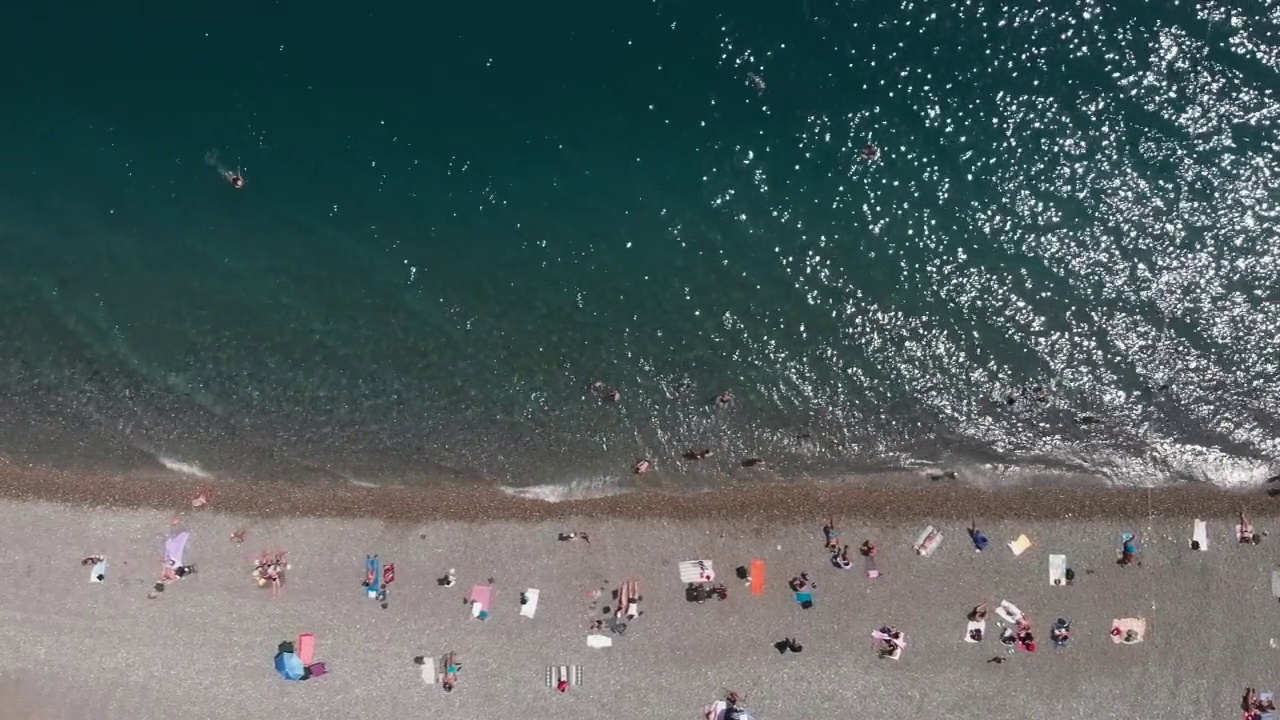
[(530, 607), (1200, 535), (428, 674), (571, 673), (1058, 570), (697, 571), (975, 625), (599, 641), (1124, 625), (1020, 545), (1275, 583), (1009, 612), (99, 572), (716, 710), (927, 541)]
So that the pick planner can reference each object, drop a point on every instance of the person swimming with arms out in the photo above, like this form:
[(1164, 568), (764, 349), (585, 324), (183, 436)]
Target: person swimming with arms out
[(235, 177)]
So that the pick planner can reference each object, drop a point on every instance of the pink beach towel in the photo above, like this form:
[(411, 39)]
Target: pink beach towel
[(306, 648), (479, 597)]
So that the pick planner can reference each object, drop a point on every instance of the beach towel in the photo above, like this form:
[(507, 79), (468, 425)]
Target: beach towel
[(927, 541), (569, 673), (980, 626), (99, 572), (899, 644), (599, 641), (479, 598), (289, 665), (1267, 698), (1009, 612), (697, 571), (757, 577), (716, 710), (1275, 583), (389, 574), (174, 549), (869, 564), (1020, 545), (1129, 631), (372, 571), (1058, 570), (307, 648), (805, 599), (315, 670), (1200, 536), (530, 606)]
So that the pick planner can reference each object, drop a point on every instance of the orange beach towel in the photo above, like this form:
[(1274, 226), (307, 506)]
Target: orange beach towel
[(757, 577)]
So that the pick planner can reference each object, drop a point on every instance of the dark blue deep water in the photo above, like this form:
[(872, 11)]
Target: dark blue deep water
[(457, 218)]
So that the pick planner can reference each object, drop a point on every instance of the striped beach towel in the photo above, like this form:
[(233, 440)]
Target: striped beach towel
[(697, 571), (570, 673)]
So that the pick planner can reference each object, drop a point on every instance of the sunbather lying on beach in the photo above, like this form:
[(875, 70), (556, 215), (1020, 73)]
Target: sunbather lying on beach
[(867, 549), (831, 534), (841, 559), (1247, 534), (978, 613), (451, 668)]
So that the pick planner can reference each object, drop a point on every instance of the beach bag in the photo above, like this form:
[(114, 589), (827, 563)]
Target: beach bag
[(806, 604), (317, 669)]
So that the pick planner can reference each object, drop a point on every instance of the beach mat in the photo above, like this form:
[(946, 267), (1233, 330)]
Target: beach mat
[(98, 572), (927, 541), (697, 571), (1058, 570), (1200, 536), (306, 648), (1275, 583), (556, 673), (757, 577), (869, 564), (1020, 545), (530, 607), (1009, 612), (598, 641), (975, 625), (479, 597), (1121, 627)]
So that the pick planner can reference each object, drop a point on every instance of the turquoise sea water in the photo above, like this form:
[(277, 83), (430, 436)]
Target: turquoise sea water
[(458, 218)]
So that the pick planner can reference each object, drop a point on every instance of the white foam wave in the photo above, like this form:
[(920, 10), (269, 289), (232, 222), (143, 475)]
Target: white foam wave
[(580, 489), (185, 468)]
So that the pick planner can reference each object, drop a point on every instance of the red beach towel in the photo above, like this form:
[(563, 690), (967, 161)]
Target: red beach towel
[(388, 573), (306, 648)]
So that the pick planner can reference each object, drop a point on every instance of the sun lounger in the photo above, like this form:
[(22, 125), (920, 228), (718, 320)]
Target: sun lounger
[(570, 673), (1058, 570), (1200, 536), (927, 541), (598, 641), (757, 577), (479, 598), (697, 571), (1122, 627), (306, 648), (980, 625), (1009, 612), (1020, 545), (530, 606)]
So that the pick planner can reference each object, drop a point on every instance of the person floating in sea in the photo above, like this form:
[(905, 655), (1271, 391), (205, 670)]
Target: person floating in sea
[(235, 177), (605, 392), (870, 153), (643, 466), (698, 454)]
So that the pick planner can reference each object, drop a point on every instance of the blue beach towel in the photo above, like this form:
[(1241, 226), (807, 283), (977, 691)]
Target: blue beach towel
[(373, 568), (805, 599)]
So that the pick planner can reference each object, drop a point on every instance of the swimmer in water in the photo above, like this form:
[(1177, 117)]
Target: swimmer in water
[(235, 177), (870, 153)]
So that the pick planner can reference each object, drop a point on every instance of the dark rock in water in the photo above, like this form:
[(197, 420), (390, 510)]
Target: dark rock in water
[(1088, 420)]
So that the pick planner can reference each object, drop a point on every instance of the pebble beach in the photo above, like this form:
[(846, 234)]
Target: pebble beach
[(204, 647)]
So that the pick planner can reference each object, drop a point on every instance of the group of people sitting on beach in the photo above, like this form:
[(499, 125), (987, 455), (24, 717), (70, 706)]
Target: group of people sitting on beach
[(1256, 705), (269, 569)]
